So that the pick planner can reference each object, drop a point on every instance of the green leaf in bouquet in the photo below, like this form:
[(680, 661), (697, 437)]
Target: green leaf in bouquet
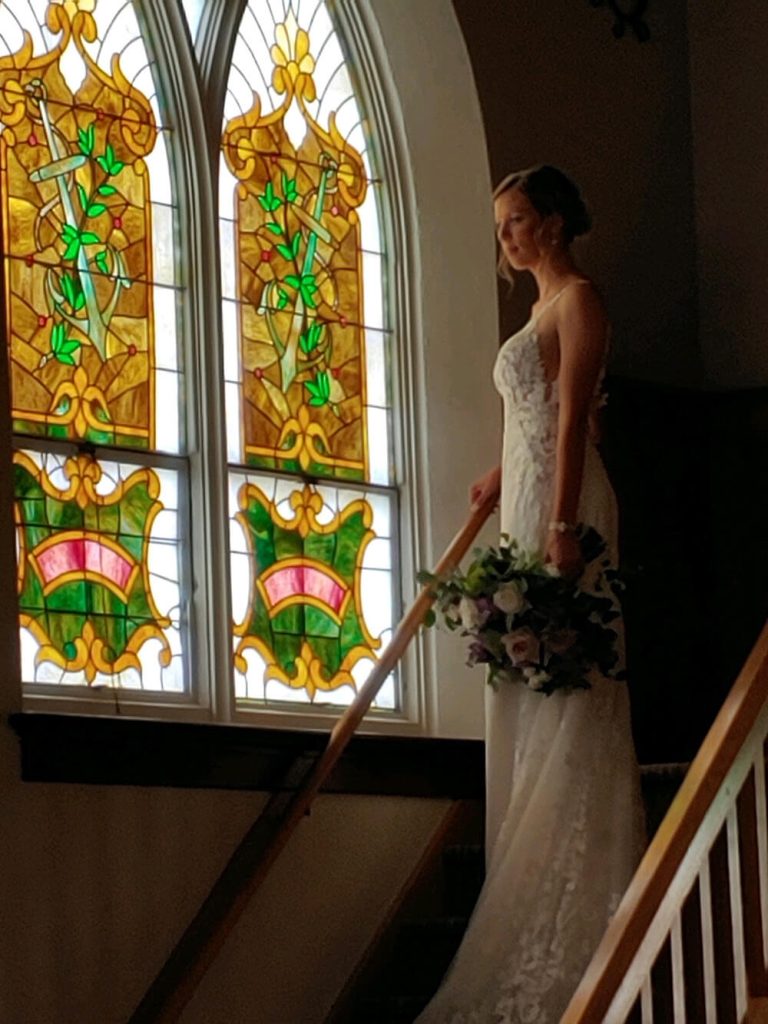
[(430, 618)]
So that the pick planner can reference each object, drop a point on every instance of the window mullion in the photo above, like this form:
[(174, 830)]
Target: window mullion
[(208, 599)]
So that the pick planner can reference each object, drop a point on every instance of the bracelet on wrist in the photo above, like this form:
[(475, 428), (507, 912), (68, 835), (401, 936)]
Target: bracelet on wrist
[(559, 526)]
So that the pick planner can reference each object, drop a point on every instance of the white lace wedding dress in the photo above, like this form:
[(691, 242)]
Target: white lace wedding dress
[(564, 827)]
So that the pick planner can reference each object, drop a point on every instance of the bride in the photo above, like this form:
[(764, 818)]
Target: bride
[(564, 821)]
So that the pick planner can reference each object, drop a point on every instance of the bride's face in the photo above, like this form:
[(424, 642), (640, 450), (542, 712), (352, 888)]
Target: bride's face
[(518, 229)]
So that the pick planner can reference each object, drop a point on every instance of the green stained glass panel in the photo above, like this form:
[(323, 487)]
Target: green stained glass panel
[(99, 589), (311, 614)]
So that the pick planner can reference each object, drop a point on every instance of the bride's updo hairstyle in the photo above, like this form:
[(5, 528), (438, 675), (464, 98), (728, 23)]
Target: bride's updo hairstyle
[(550, 191)]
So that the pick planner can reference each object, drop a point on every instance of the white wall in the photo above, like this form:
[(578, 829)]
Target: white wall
[(302, 935), (455, 335), (97, 884)]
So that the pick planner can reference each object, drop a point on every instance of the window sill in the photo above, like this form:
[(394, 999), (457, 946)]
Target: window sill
[(136, 752)]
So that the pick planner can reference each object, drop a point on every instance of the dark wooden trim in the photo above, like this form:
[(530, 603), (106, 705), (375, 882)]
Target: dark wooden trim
[(136, 752)]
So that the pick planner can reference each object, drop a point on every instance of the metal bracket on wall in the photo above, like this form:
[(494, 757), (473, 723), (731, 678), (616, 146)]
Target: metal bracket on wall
[(628, 14)]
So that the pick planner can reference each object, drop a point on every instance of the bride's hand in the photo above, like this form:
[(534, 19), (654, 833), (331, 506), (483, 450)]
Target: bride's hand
[(489, 485), (564, 553)]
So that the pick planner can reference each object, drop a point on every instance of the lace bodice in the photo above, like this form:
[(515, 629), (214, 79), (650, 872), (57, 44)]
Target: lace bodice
[(519, 374), (531, 406), (529, 398)]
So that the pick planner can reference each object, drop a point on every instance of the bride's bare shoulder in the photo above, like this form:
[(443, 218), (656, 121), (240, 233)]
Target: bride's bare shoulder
[(581, 297)]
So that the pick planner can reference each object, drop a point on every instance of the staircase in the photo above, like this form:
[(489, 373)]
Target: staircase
[(406, 961), (404, 966), (687, 945)]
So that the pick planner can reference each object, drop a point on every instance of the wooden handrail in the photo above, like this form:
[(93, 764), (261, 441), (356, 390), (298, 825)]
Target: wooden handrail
[(249, 865), (664, 857)]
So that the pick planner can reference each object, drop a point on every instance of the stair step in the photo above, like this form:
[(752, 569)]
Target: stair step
[(421, 953), (660, 783), (392, 1009), (463, 875)]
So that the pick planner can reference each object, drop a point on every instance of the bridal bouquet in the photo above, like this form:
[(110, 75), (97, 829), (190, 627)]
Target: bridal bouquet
[(529, 624)]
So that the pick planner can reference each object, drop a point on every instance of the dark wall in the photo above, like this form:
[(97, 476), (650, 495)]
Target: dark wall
[(689, 469), (556, 86), (729, 89), (688, 465)]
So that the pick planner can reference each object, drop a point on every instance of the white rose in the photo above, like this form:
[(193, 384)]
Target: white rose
[(521, 646), (452, 613), (471, 616), (537, 680), (509, 599)]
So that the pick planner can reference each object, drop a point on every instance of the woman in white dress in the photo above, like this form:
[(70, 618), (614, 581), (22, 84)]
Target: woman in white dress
[(564, 820)]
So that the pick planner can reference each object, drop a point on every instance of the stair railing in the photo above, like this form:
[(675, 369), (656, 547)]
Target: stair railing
[(249, 865), (722, 801)]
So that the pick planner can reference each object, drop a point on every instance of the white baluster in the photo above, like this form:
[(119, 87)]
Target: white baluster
[(646, 1001), (707, 942), (737, 923), (762, 847), (678, 971)]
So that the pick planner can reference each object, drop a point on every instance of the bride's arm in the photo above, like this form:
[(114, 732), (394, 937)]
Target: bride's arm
[(582, 331)]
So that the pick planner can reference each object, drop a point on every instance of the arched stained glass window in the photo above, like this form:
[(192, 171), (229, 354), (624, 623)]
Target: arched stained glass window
[(306, 356), (92, 293)]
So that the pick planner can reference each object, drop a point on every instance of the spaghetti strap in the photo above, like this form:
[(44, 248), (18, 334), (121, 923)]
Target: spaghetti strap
[(556, 296)]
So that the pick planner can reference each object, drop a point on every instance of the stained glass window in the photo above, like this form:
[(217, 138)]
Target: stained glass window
[(90, 272), (306, 355)]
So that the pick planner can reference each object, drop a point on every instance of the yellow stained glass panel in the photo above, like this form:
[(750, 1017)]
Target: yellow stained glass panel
[(77, 227), (298, 184)]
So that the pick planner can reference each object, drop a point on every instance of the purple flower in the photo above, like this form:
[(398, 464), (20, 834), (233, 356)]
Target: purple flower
[(478, 653)]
